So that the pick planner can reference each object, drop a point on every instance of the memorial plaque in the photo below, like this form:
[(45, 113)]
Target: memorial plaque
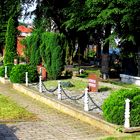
[(93, 83)]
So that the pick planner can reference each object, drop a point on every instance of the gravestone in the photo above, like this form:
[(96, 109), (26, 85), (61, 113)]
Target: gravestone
[(93, 83)]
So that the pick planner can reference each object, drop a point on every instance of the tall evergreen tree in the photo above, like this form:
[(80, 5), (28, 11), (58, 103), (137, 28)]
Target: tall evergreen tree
[(8, 9), (10, 46)]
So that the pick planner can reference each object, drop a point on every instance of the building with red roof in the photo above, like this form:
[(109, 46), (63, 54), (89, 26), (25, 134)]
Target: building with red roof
[(24, 31)]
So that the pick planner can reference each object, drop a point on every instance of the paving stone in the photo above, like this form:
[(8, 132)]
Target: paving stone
[(51, 124)]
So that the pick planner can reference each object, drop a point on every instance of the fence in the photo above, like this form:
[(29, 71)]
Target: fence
[(60, 91)]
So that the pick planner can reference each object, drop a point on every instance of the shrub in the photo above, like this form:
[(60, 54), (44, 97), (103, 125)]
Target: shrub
[(9, 68), (67, 84), (114, 106), (18, 73), (2, 71), (32, 74)]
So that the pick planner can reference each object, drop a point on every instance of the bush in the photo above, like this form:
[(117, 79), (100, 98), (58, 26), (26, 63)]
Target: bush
[(32, 74), (18, 73), (67, 84), (2, 71), (9, 68), (114, 106)]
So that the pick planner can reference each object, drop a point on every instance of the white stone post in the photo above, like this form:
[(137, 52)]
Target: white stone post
[(40, 84), (127, 113), (40, 71), (6, 72), (86, 100), (59, 91), (26, 78)]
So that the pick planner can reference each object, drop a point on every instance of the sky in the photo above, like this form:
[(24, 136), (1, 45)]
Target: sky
[(28, 20)]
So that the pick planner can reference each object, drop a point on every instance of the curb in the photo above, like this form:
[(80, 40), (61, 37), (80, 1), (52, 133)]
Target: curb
[(67, 109), (4, 80)]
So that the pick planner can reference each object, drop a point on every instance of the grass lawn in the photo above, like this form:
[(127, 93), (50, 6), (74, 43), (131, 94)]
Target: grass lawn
[(10, 111), (133, 137), (78, 85)]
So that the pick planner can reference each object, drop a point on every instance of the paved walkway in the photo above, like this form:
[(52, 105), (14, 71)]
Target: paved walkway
[(51, 125)]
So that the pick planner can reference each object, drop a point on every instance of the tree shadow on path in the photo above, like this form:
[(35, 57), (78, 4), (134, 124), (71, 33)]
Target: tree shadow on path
[(7, 132)]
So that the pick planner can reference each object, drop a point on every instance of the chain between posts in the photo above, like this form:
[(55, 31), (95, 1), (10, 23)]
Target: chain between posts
[(49, 90), (75, 98), (93, 102), (60, 89)]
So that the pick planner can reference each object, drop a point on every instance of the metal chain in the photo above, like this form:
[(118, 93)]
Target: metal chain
[(78, 98), (49, 90), (94, 102)]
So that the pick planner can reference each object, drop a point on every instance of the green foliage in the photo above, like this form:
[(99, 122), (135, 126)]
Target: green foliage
[(52, 52), (10, 47), (32, 50), (8, 8), (9, 68), (18, 73), (2, 71), (114, 106), (91, 53), (32, 73)]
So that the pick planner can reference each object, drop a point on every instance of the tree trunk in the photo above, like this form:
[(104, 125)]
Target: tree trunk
[(105, 56), (107, 34), (82, 44)]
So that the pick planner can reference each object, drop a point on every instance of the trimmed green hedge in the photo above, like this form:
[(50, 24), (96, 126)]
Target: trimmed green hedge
[(18, 73), (114, 106), (52, 51), (9, 68)]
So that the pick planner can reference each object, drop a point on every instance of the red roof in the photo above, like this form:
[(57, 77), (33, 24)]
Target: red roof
[(24, 29)]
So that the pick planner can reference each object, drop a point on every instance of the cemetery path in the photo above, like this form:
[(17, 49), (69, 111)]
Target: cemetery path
[(50, 125)]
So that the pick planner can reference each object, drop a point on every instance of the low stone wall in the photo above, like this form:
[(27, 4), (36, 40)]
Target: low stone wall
[(130, 79)]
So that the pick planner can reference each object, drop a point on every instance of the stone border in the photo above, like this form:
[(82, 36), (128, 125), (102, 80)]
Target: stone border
[(130, 79), (4, 80), (83, 116), (131, 130)]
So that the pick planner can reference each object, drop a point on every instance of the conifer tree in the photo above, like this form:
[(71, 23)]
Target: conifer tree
[(10, 45)]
